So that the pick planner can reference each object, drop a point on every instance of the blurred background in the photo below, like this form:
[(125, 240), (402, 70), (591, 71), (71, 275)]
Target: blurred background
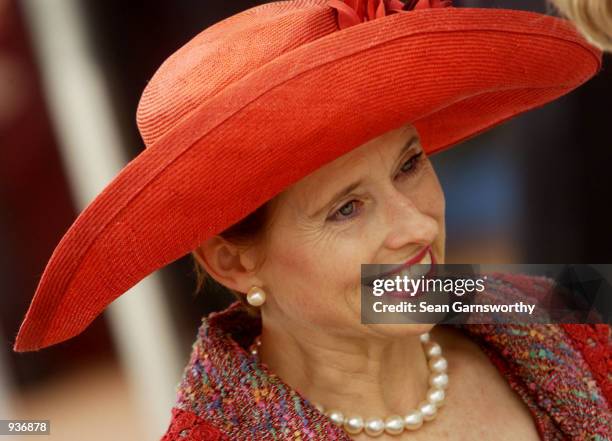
[(534, 190)]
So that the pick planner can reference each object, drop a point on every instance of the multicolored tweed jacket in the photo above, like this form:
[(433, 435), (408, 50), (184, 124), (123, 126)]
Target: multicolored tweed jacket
[(562, 372)]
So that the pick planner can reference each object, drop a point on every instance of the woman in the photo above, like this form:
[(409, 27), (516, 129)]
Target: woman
[(304, 242), (289, 144)]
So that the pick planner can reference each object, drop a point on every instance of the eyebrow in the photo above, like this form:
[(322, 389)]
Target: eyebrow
[(346, 190)]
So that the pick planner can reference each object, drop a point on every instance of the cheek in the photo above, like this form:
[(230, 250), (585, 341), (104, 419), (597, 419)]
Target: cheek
[(430, 197), (309, 274), (433, 203)]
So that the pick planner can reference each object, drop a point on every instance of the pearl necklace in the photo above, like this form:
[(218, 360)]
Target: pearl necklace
[(395, 424)]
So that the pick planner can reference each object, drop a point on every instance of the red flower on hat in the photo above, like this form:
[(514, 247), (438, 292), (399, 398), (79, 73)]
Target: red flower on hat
[(352, 12)]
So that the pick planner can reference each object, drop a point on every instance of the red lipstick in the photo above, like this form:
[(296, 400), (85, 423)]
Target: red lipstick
[(412, 261)]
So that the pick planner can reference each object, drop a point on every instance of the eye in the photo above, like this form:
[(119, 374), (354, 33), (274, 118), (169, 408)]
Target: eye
[(351, 208), (411, 165), (346, 211)]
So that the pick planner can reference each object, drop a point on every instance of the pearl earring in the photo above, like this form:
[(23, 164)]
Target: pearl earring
[(256, 296)]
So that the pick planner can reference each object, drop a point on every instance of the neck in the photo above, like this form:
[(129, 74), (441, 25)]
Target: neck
[(365, 376)]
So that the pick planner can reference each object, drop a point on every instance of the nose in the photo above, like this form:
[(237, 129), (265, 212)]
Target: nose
[(408, 224)]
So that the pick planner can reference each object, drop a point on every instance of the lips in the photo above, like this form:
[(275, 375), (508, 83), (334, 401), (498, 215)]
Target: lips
[(408, 263), (406, 269)]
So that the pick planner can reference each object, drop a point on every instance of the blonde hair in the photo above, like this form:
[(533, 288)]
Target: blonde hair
[(593, 18)]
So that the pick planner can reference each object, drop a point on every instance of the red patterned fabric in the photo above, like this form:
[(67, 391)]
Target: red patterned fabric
[(186, 426), (595, 341)]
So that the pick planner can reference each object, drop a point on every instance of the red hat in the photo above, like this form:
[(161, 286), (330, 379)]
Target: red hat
[(261, 99)]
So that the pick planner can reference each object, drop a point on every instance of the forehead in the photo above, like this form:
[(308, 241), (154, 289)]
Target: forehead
[(349, 166)]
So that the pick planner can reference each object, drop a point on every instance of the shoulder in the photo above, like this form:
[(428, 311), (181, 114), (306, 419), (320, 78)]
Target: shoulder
[(187, 426), (592, 341), (560, 370)]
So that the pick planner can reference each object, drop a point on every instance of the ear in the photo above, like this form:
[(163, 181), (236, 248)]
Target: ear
[(232, 266)]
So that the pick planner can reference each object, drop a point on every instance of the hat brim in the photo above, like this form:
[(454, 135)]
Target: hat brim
[(452, 72)]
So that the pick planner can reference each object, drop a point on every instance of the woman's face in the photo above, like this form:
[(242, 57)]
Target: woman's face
[(380, 203)]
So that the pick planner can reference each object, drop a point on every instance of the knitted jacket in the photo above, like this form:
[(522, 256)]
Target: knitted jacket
[(563, 373)]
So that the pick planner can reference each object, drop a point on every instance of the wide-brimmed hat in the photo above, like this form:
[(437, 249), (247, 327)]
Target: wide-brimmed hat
[(257, 101)]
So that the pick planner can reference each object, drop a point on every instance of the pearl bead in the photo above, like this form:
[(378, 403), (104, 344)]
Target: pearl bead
[(394, 425), (438, 364), (433, 350), (413, 420), (256, 296), (428, 410), (374, 426), (336, 416), (425, 337), (353, 424), (435, 396), (439, 380)]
